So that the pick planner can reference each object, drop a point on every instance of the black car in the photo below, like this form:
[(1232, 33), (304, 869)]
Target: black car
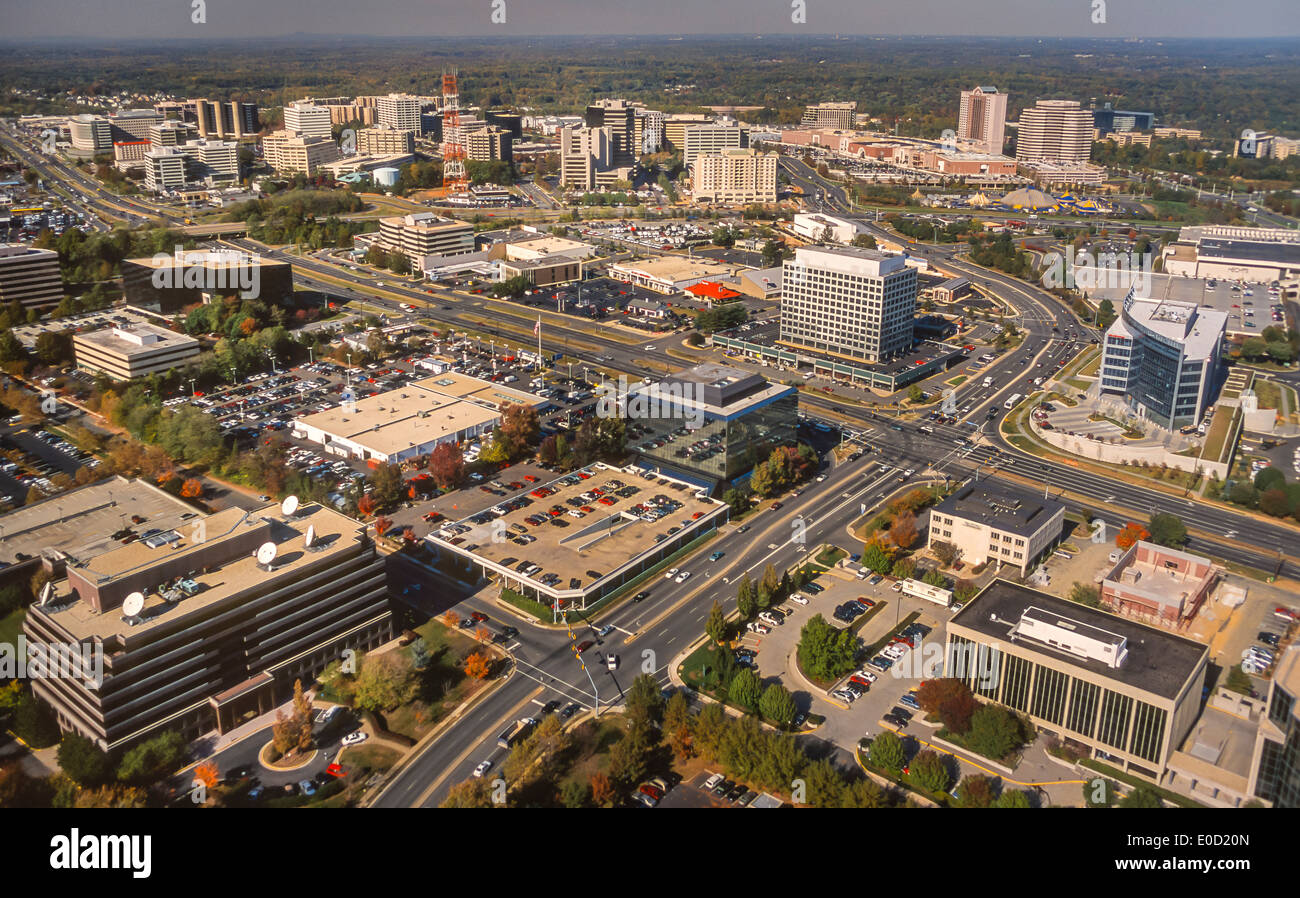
[(813, 588), (569, 711), (894, 720), (640, 597), (1267, 638), (897, 711), (509, 632), (722, 788), (550, 706), (734, 793)]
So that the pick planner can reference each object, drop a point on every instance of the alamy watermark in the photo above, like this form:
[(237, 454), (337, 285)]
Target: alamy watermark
[(52, 661), (656, 401), (1118, 271), (208, 271), (927, 661)]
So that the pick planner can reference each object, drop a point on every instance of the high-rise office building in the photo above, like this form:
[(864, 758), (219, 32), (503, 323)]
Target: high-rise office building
[(287, 152), (222, 118), (29, 276), (982, 118), (306, 120), (512, 122), (489, 144), (1054, 131), (734, 175), (133, 124), (1108, 119), (587, 158), (1275, 766), (385, 141), (649, 129), (425, 234), (702, 139), (675, 129), (90, 134), (1164, 358), (398, 111), (837, 116), (620, 118), (857, 303)]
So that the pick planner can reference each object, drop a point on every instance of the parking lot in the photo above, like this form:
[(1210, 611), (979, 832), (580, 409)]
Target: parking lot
[(848, 720)]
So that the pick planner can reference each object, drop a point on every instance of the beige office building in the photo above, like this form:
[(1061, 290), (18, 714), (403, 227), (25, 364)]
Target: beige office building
[(587, 159), (1054, 131), (701, 140), (288, 153), (1128, 692), (385, 141), (131, 351), (736, 176), (489, 144), (29, 276), (424, 234), (991, 522), (90, 134), (675, 129), (839, 116), (982, 118)]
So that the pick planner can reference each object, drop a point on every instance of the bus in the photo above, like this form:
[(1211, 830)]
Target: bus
[(1011, 403)]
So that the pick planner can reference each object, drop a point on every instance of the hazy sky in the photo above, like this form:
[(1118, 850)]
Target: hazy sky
[(118, 19)]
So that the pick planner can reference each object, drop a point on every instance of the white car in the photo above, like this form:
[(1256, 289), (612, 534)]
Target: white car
[(844, 695), (821, 477), (483, 767), (799, 599), (713, 781), (683, 576), (355, 738), (865, 674), (672, 572), (760, 629), (896, 650)]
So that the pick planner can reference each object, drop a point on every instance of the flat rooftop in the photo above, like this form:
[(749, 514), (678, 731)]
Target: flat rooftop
[(574, 550), (1159, 663), (80, 522), (129, 340), (1001, 506), (419, 412), (335, 534), (677, 268), (718, 389)]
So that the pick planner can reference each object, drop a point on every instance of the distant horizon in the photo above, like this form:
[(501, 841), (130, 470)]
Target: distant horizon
[(7, 41), (126, 20)]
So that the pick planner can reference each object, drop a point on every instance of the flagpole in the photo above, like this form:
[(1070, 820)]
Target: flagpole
[(540, 365)]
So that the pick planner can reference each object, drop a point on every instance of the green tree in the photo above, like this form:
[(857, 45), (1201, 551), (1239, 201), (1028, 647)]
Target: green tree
[(385, 681), (875, 559), (745, 690), (929, 771), (716, 626), (887, 752), (1085, 594), (575, 794), (84, 761), (747, 598), (645, 701), (152, 760), (1168, 530), (1141, 797), (628, 759), (1013, 798), (777, 704), (975, 792), (994, 732), (826, 652)]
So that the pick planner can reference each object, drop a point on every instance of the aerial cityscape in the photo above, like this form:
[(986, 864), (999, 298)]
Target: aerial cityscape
[(490, 408)]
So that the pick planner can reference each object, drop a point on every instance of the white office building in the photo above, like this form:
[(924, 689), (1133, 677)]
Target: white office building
[(400, 112), (307, 120), (857, 303)]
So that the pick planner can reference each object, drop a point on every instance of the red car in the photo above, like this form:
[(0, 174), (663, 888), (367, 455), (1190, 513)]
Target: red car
[(605, 500), (584, 475), (653, 791), (478, 617), (859, 681), (530, 478), (336, 770), (587, 508)]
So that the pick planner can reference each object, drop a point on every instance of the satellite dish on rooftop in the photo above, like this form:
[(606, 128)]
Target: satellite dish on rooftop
[(266, 553), (134, 604), (289, 506), (47, 593), (309, 537)]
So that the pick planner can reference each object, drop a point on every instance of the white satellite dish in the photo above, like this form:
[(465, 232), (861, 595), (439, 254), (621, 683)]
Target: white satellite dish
[(47, 593), (266, 553), (309, 537), (289, 506), (134, 604)]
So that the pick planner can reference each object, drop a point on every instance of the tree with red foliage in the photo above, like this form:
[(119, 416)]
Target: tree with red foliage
[(382, 524), (950, 699), (447, 465), (192, 488), (366, 505)]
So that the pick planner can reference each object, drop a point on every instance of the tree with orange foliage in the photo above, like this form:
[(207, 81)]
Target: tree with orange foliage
[(682, 744), (451, 619), (477, 665), (366, 505), (1132, 533), (192, 488), (483, 634), (409, 535), (603, 792), (382, 525), (207, 774), (903, 529)]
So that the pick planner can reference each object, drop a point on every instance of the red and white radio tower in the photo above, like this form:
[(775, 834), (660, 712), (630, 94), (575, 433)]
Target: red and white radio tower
[(453, 140)]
